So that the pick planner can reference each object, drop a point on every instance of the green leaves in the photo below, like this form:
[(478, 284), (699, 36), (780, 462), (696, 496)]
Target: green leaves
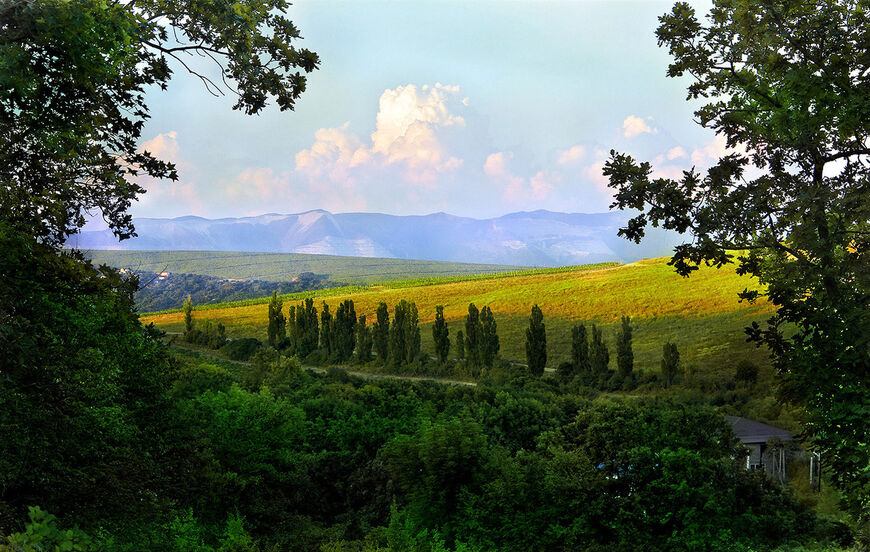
[(785, 82)]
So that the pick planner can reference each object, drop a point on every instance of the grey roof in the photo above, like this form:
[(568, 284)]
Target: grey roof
[(752, 432)]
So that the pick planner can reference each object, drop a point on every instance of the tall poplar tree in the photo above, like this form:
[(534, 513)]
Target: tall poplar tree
[(276, 329), (489, 343), (473, 331), (441, 335), (327, 331), (599, 355), (188, 316), (381, 333), (580, 349), (345, 326), (363, 340), (624, 352), (536, 342), (670, 363)]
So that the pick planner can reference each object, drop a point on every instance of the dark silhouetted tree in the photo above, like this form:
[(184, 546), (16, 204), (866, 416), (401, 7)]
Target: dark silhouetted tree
[(188, 316), (536, 342), (489, 344), (580, 349), (276, 329), (599, 355), (473, 331), (381, 332), (363, 340), (746, 372), (306, 328), (441, 335), (624, 352), (670, 363), (327, 331), (460, 345), (344, 336)]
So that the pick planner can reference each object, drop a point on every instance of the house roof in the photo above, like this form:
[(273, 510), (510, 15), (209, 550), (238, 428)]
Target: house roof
[(751, 432)]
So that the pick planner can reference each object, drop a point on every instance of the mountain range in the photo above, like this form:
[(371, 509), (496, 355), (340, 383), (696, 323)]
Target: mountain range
[(536, 238)]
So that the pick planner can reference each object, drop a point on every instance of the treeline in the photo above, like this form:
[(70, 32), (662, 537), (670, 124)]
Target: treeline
[(169, 293), (321, 337)]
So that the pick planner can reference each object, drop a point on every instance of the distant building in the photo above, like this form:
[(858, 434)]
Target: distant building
[(163, 275), (769, 447)]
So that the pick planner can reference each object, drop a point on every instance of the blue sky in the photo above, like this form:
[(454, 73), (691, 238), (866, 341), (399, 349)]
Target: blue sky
[(473, 108)]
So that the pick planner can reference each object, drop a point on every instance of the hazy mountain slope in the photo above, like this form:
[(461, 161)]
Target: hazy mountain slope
[(538, 238)]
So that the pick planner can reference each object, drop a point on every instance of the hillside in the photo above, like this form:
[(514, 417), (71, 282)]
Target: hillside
[(285, 267), (538, 238), (701, 315)]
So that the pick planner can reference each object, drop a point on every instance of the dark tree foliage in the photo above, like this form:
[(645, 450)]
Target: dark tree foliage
[(293, 333), (599, 355), (327, 331), (787, 84), (671, 368), (169, 293), (363, 340), (345, 327), (746, 372), (187, 308), (441, 335), (580, 349), (307, 328), (473, 336), (404, 333), (82, 388), (72, 95), (624, 352), (460, 345), (381, 332), (489, 344), (536, 342), (277, 330)]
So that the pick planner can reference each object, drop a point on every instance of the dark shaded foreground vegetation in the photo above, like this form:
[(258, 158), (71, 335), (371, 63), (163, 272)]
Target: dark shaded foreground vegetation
[(135, 448)]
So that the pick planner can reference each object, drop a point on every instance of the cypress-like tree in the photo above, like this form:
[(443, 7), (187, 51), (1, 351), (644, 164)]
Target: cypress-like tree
[(306, 328), (277, 328), (599, 355), (381, 332), (536, 342), (292, 332), (363, 340), (188, 316), (489, 337), (460, 345), (412, 333), (404, 333), (580, 349), (670, 363), (624, 352), (345, 336), (441, 335), (473, 331), (327, 331)]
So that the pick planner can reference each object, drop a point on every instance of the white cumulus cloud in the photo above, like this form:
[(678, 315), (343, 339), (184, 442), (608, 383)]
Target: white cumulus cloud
[(571, 155), (634, 126)]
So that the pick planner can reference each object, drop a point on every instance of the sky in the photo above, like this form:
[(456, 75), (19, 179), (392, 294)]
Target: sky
[(473, 108)]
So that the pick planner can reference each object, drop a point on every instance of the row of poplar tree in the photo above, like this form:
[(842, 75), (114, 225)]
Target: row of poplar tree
[(337, 338)]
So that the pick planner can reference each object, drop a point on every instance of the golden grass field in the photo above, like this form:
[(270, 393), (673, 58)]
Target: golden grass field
[(701, 314)]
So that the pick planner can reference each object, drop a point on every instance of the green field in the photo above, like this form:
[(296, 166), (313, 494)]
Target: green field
[(282, 267), (700, 314)]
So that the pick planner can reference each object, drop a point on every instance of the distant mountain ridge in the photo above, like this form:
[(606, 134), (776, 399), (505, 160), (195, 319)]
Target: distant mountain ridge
[(536, 238)]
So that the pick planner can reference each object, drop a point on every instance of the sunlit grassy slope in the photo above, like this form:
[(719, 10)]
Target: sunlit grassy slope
[(701, 314)]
